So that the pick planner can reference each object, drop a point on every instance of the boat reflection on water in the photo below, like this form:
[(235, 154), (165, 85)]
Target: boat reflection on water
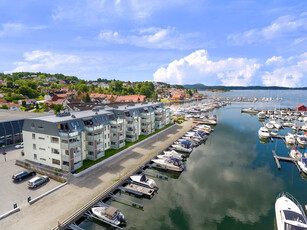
[(264, 141)]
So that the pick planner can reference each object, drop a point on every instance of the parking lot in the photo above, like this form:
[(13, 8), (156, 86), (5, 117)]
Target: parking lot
[(11, 192)]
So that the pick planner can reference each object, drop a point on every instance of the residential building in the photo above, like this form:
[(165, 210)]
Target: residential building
[(65, 140), (131, 98), (28, 101)]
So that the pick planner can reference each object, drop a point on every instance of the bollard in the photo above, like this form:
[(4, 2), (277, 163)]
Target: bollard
[(29, 199), (15, 205)]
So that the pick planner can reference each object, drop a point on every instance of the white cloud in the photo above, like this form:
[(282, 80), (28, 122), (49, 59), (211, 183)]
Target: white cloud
[(198, 66), (13, 29), (274, 59), (284, 26), (291, 74), (46, 61), (152, 37)]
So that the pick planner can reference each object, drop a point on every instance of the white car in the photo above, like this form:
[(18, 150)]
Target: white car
[(20, 146)]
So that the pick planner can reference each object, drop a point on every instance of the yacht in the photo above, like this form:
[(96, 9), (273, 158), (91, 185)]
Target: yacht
[(290, 139), (274, 133), (276, 124), (304, 128), (143, 181), (108, 214), (172, 154), (263, 133), (269, 125), (289, 213), (302, 163), (261, 115), (301, 140), (182, 148), (294, 153), (249, 110), (172, 164)]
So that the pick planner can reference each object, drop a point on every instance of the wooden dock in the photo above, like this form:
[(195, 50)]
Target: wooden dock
[(288, 159)]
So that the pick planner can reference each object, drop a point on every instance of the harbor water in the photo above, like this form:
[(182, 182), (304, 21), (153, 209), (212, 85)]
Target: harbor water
[(230, 182)]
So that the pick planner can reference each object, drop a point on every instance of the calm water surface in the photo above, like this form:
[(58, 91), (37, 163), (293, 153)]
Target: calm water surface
[(230, 182)]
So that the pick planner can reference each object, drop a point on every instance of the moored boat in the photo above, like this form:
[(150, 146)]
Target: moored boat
[(108, 214), (289, 213), (172, 164), (143, 181), (263, 133)]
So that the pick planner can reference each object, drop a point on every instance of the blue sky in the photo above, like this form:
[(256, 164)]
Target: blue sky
[(177, 41)]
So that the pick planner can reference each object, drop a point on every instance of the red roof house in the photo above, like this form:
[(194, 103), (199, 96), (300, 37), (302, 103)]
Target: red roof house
[(301, 108)]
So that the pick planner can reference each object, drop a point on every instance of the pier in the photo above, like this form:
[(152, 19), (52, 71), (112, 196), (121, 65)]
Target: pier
[(288, 159)]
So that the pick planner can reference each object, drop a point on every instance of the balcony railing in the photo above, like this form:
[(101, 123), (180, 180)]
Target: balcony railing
[(93, 128), (93, 137), (100, 154), (70, 144), (76, 154), (133, 139), (122, 144), (65, 157), (131, 118), (117, 129), (121, 137), (90, 157), (78, 165), (100, 145), (71, 134), (66, 168), (132, 132)]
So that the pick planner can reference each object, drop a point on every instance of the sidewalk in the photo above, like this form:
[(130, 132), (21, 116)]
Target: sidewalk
[(62, 203)]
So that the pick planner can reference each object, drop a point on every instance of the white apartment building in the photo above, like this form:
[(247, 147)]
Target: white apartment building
[(65, 140)]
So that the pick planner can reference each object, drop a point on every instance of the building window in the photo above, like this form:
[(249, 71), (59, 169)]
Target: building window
[(41, 138), (55, 151), (108, 135), (32, 126), (56, 162), (105, 145), (34, 146), (40, 127), (66, 163), (42, 159), (91, 153), (77, 122), (33, 135), (42, 149), (105, 136), (54, 140), (35, 156)]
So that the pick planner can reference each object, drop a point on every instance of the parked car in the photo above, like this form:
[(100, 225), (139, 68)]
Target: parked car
[(19, 146), (23, 175), (36, 181)]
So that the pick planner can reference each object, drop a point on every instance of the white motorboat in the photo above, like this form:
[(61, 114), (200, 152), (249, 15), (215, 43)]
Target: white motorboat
[(288, 124), (301, 140), (294, 153), (109, 214), (302, 163), (263, 133), (261, 115), (276, 124), (182, 148), (289, 213), (172, 154), (249, 110), (304, 128), (274, 133), (172, 164), (203, 126), (290, 139), (269, 125), (143, 181)]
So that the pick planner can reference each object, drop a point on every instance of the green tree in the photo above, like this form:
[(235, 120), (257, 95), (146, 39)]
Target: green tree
[(116, 86), (27, 91), (36, 106), (24, 103), (83, 88), (87, 98), (4, 106), (57, 108)]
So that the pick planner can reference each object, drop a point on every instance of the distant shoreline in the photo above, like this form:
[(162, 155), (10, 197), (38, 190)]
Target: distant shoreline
[(228, 88)]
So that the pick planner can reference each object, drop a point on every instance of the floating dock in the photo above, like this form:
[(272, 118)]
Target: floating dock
[(137, 190), (281, 158)]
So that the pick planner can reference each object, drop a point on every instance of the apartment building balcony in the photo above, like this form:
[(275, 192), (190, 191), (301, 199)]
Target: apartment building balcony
[(90, 147), (65, 157), (115, 129), (78, 165), (66, 168), (70, 144), (93, 128), (100, 145), (131, 139), (77, 153), (100, 154), (131, 125), (130, 132), (90, 157), (131, 118), (158, 117), (146, 120), (68, 134), (122, 144), (93, 137)]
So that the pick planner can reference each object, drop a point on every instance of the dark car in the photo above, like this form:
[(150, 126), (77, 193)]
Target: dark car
[(23, 175)]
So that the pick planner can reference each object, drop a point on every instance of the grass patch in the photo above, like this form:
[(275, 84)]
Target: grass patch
[(110, 152), (38, 111)]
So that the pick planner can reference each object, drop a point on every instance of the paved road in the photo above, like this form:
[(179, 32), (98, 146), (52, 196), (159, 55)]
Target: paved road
[(65, 201)]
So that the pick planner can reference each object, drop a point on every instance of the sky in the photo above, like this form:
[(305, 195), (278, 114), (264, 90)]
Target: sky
[(241, 43)]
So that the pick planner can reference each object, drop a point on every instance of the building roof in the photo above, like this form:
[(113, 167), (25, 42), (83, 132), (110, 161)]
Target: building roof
[(300, 106), (133, 98), (72, 116), (7, 115)]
